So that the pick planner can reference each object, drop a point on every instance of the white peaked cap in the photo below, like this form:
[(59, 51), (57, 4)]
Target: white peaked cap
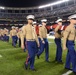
[(40, 25), (44, 20), (30, 17), (72, 16), (58, 20), (34, 22), (16, 27), (4, 28), (13, 27)]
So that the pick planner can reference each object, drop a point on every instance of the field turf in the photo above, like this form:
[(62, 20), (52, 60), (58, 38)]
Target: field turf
[(12, 61)]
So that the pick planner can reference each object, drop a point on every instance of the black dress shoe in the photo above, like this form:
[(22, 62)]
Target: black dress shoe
[(74, 73), (33, 69), (60, 62), (14, 46), (26, 66), (38, 56), (48, 61), (54, 61), (68, 68)]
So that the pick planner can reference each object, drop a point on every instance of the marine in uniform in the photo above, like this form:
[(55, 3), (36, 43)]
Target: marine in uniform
[(19, 35), (2, 34), (6, 35), (43, 40), (68, 43), (57, 40), (13, 35), (31, 39), (17, 29), (37, 32)]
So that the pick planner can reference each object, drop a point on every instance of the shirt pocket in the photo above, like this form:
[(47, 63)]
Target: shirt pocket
[(73, 32)]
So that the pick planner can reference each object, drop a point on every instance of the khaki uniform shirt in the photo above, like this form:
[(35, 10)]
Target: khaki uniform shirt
[(6, 32), (58, 34), (2, 32), (29, 33), (69, 34), (13, 32), (19, 34), (42, 32)]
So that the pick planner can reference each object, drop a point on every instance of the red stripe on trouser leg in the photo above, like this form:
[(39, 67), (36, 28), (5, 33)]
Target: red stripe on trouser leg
[(27, 59)]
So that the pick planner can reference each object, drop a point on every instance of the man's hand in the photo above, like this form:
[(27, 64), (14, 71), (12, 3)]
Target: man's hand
[(38, 45), (22, 46), (43, 42), (10, 36), (64, 48)]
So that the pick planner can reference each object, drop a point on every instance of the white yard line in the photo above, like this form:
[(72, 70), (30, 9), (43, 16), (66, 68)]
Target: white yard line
[(51, 42), (0, 56), (68, 72), (9, 49), (51, 37)]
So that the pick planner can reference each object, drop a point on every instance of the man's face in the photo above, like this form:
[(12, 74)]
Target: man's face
[(20, 29), (44, 23), (73, 21), (59, 23), (30, 21), (34, 25), (16, 28)]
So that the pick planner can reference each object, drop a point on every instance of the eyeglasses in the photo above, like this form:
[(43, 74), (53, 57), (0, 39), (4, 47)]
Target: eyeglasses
[(31, 19), (45, 22), (60, 21), (74, 18), (34, 24)]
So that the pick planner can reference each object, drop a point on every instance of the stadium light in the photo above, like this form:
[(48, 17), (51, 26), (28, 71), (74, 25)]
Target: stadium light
[(52, 4), (2, 7)]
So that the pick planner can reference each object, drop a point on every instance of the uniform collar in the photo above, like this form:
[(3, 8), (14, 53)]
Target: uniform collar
[(43, 26), (72, 26)]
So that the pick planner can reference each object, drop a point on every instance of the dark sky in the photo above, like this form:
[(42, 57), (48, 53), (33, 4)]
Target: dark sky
[(24, 3)]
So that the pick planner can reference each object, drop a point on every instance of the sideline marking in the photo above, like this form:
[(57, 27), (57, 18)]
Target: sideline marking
[(9, 49), (0, 56), (67, 73)]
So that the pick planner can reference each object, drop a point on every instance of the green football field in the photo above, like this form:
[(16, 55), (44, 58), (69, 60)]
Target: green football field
[(12, 61)]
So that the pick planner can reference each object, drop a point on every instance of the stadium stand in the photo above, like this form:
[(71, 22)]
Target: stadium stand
[(17, 16)]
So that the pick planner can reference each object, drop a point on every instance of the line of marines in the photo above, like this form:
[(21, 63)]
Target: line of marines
[(33, 38)]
